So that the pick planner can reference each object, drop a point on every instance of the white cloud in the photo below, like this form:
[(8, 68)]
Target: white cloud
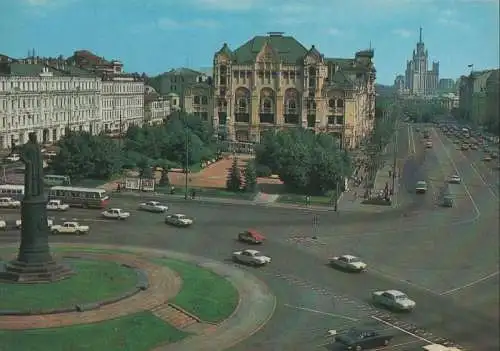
[(404, 33), (227, 5), (450, 18), (168, 23), (46, 3), (335, 32)]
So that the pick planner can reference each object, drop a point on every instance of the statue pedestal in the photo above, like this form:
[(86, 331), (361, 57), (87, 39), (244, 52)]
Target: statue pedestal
[(34, 263)]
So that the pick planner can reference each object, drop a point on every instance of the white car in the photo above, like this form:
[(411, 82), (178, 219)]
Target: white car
[(3, 224), (455, 179), (8, 202), (57, 205), (421, 187), (13, 158), (115, 213), (348, 262), (19, 223), (251, 257), (393, 299), (439, 347), (70, 228), (153, 206), (178, 220)]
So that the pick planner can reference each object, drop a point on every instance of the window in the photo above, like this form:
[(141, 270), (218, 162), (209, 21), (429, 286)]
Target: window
[(267, 106), (331, 120), (196, 100), (340, 103), (291, 107), (242, 105), (331, 103), (204, 100)]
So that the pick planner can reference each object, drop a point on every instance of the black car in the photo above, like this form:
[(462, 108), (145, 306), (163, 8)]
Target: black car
[(357, 339)]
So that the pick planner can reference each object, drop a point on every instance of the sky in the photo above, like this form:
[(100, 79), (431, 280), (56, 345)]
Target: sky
[(154, 36)]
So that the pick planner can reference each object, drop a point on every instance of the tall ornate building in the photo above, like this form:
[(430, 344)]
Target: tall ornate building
[(419, 80), (273, 82)]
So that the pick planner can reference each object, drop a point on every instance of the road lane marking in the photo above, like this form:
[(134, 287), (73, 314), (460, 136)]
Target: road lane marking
[(476, 208), (472, 164), (393, 347), (468, 285), (322, 313), (402, 330), (391, 277)]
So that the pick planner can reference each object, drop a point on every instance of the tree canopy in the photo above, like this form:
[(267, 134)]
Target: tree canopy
[(83, 155), (307, 163), (423, 110)]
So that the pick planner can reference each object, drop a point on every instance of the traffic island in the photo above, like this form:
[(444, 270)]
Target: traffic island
[(179, 300)]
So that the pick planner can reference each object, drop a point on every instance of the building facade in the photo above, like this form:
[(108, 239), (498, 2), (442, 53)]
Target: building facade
[(419, 80), (47, 101), (478, 98), (198, 100), (274, 82), (156, 107), (177, 81), (122, 102)]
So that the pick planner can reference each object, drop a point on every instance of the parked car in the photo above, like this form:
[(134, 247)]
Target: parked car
[(251, 237), (70, 228), (13, 158), (3, 224), (153, 206), (348, 262), (178, 220), (8, 202), (358, 339), (57, 205), (455, 179), (251, 257), (115, 213), (19, 223), (394, 300), (448, 200), (421, 187)]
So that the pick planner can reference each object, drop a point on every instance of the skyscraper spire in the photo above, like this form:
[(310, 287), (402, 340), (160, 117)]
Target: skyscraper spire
[(420, 40)]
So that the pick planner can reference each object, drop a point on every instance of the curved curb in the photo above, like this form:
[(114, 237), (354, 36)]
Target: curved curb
[(255, 308)]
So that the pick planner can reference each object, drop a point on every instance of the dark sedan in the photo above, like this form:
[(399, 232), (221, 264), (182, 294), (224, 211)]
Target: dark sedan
[(356, 339)]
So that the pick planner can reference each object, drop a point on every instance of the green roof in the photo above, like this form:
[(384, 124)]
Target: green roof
[(287, 48)]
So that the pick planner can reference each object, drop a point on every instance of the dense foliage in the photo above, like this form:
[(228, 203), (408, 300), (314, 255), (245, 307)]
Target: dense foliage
[(423, 111), (233, 182), (307, 163), (87, 156), (250, 174), (166, 146)]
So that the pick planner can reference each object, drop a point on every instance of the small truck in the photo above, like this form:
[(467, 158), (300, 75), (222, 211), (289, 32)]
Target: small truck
[(115, 213), (69, 228)]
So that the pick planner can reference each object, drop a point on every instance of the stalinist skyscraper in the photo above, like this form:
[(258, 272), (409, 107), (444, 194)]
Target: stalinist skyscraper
[(418, 79)]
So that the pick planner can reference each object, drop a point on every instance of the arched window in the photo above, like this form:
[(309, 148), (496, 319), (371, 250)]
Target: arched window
[(340, 103), (311, 105), (196, 100), (204, 100), (267, 106), (331, 103), (312, 71), (223, 70)]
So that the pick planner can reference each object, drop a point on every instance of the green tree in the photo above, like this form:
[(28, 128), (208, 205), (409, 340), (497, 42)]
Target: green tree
[(164, 180), (233, 182), (250, 174), (145, 170)]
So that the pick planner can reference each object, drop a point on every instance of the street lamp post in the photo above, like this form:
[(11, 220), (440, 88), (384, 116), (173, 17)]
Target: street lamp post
[(186, 164), (341, 175)]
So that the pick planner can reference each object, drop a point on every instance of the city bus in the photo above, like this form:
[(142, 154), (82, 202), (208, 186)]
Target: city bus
[(80, 197), (54, 179), (11, 190)]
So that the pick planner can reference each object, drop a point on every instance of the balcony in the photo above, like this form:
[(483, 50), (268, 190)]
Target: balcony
[(242, 117)]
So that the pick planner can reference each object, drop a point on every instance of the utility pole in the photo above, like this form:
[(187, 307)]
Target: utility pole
[(341, 175), (120, 131), (186, 165), (395, 156)]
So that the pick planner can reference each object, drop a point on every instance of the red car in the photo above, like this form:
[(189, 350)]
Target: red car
[(251, 237)]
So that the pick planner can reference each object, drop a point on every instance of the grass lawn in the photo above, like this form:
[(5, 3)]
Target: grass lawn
[(138, 332), (301, 200), (95, 280), (205, 294)]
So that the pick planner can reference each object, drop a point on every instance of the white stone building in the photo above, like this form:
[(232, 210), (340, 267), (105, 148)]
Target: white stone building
[(46, 100), (156, 107), (122, 102)]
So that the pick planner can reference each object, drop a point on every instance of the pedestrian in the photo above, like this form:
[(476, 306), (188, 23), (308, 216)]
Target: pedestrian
[(390, 173), (118, 187), (308, 200), (193, 194)]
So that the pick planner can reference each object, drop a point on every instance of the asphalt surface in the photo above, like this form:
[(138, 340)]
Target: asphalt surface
[(446, 259)]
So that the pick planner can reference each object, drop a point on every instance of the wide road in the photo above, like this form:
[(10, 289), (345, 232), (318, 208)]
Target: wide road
[(443, 258)]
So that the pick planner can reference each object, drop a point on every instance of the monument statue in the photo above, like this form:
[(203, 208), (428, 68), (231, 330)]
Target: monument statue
[(34, 262), (31, 156)]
